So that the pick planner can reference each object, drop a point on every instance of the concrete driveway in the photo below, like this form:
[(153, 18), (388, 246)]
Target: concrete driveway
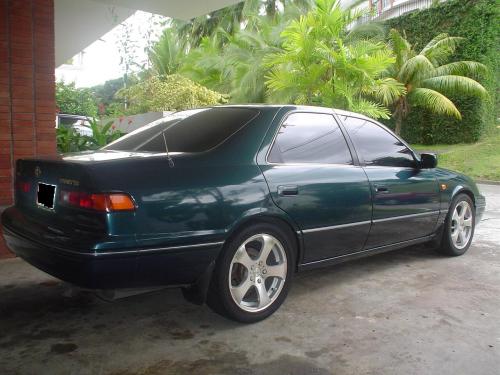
[(406, 312)]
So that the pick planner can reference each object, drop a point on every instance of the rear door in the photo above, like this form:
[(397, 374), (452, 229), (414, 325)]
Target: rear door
[(312, 176), (406, 198)]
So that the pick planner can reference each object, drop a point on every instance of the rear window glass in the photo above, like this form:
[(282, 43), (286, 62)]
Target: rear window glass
[(188, 131)]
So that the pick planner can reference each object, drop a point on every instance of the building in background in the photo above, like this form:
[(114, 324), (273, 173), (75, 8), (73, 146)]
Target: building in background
[(386, 9)]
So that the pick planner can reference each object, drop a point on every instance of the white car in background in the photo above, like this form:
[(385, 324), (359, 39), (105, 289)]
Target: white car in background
[(77, 122)]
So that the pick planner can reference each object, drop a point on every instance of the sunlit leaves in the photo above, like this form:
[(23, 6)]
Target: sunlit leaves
[(170, 93), (433, 101), (324, 63)]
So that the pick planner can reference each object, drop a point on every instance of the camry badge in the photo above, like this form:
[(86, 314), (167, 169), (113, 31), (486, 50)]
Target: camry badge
[(38, 171)]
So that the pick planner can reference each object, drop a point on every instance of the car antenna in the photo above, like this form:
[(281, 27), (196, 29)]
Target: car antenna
[(170, 160)]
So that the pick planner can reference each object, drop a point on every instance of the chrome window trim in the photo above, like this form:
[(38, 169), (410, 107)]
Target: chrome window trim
[(383, 127)]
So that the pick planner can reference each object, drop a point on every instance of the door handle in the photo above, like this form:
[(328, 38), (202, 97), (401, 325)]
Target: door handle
[(287, 190), (381, 189)]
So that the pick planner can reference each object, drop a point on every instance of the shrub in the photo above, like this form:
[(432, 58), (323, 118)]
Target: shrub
[(75, 101), (170, 93)]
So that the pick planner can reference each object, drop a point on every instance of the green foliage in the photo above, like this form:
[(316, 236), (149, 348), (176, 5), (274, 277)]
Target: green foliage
[(428, 77), (476, 23), (102, 134), (324, 62), (170, 93), (104, 95), (75, 101), (68, 140), (167, 54), (205, 64), (194, 30), (234, 64)]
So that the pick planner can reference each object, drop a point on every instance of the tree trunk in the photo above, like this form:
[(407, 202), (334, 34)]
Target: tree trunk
[(399, 123), (400, 113)]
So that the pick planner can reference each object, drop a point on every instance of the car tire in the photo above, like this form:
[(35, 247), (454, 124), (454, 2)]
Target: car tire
[(247, 285), (458, 227)]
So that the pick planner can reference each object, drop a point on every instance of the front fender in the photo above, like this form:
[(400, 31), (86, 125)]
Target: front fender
[(453, 183)]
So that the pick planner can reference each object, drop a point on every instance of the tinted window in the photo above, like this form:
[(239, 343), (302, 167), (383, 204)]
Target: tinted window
[(376, 145), (310, 138), (189, 131)]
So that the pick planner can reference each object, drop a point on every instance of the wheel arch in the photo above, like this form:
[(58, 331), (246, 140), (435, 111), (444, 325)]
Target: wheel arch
[(272, 219), (461, 189)]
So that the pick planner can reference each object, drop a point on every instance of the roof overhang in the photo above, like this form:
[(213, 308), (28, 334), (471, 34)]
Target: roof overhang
[(78, 23)]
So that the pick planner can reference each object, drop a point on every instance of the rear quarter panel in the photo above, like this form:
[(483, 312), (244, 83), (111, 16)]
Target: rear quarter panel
[(202, 198)]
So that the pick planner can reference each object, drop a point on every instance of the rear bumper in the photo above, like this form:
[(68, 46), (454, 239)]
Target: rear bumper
[(131, 268), (80, 269)]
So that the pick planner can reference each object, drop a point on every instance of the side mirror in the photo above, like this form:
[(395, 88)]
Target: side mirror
[(428, 160)]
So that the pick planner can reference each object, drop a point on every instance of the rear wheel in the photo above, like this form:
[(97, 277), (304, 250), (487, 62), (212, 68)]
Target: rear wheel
[(459, 226), (253, 274)]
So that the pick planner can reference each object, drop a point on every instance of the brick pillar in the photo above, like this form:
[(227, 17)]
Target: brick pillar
[(27, 87)]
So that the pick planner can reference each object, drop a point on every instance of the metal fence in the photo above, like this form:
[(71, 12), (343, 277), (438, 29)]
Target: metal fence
[(397, 10)]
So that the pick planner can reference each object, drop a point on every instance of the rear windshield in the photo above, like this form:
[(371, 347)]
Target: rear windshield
[(188, 131)]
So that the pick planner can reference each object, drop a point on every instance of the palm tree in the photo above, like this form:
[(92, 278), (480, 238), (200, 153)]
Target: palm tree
[(324, 60), (246, 51), (205, 63), (167, 54), (428, 77), (194, 30), (233, 63)]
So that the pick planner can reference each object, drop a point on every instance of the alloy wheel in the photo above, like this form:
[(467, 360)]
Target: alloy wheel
[(257, 273), (461, 225)]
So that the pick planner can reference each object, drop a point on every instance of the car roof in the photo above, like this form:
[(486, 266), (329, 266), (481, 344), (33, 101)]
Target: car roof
[(305, 108)]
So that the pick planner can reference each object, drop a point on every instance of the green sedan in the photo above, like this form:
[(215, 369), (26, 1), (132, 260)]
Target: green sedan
[(229, 202)]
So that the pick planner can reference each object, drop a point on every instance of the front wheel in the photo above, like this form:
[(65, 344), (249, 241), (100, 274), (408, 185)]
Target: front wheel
[(459, 226), (253, 274)]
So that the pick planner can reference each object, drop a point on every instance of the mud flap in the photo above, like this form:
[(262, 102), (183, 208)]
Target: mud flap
[(197, 293)]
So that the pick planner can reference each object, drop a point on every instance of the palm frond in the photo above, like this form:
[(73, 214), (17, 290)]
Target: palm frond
[(400, 46), (370, 109), (386, 90), (471, 69), (439, 49), (433, 101), (414, 69), (455, 85), (369, 30)]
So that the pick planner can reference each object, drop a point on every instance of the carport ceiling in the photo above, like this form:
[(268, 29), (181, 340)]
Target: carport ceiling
[(181, 9), (78, 23)]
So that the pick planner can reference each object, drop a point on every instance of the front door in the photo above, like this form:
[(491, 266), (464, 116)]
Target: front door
[(312, 177), (405, 198)]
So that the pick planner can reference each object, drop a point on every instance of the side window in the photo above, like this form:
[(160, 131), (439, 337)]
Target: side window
[(376, 145), (310, 138)]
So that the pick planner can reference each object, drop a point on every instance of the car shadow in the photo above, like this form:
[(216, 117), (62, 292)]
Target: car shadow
[(35, 306)]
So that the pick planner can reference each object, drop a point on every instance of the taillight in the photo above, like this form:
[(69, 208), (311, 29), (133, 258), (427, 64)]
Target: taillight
[(105, 202), (25, 187)]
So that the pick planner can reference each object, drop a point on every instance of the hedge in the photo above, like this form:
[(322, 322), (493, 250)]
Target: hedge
[(477, 21)]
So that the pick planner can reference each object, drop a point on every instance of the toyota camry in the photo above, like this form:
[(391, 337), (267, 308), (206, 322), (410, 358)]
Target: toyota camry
[(229, 202)]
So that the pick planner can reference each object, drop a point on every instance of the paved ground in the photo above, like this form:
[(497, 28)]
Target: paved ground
[(408, 312)]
